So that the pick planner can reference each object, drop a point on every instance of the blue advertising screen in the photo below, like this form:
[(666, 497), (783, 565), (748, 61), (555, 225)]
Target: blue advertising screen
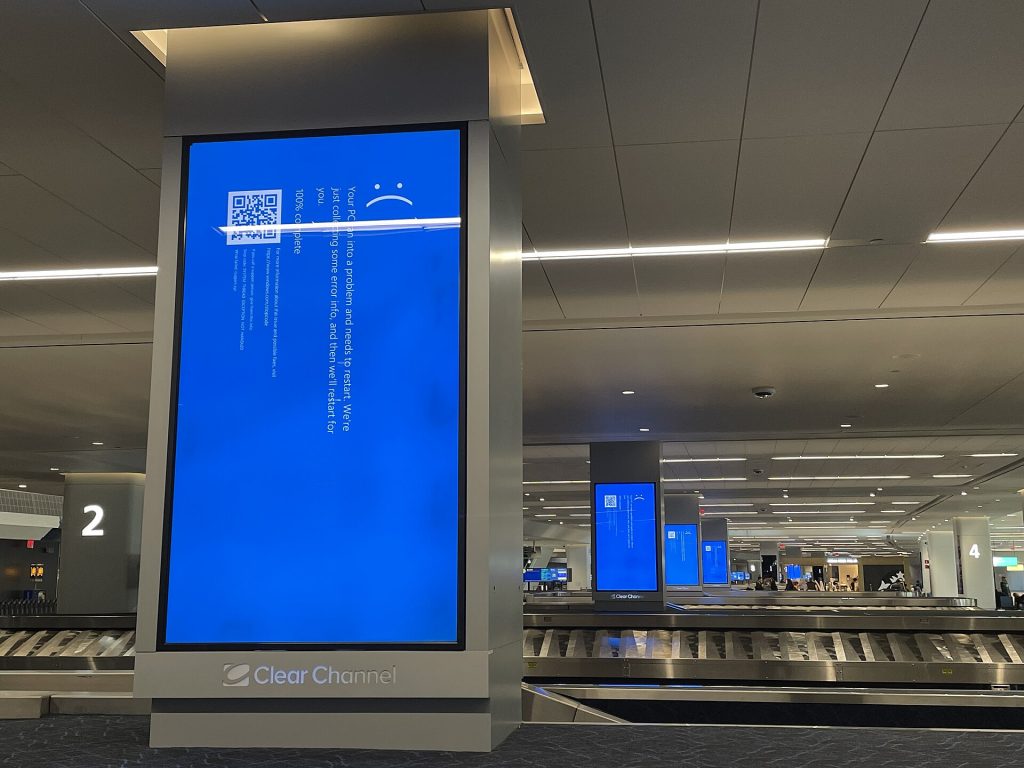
[(794, 572), (682, 568), (715, 560), (625, 537), (318, 360), (546, 574)]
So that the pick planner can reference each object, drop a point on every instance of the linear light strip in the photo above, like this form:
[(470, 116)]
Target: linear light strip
[(703, 479), (845, 477), (819, 512), (556, 482), (989, 455), (726, 505), (764, 246), (76, 274), (375, 225), (878, 456), (973, 237), (822, 504), (689, 461)]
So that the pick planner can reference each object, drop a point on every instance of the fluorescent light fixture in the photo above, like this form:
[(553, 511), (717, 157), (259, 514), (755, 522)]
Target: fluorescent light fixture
[(556, 482), (989, 455), (822, 504), (973, 237), (570, 506), (683, 249), (728, 514), (645, 429), (545, 515), (55, 469), (704, 479), (579, 514), (690, 461), (96, 442), (727, 505), (628, 392), (845, 477), (951, 476), (76, 274), (846, 426), (905, 503), (881, 386), (847, 457)]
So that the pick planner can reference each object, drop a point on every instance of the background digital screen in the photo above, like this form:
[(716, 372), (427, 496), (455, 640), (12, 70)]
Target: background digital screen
[(320, 339), (546, 574), (715, 561), (794, 572), (682, 565), (740, 576), (625, 537)]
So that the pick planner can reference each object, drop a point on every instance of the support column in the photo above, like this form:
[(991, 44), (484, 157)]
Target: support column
[(682, 541), (714, 552), (974, 546), (578, 561), (942, 558)]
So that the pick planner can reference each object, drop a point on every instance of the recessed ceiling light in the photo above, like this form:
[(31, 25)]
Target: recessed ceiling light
[(97, 443), (980, 235), (628, 392), (55, 469), (22, 485), (541, 498), (963, 493), (846, 426), (881, 386), (76, 274), (878, 489), (680, 250), (872, 495), (645, 429)]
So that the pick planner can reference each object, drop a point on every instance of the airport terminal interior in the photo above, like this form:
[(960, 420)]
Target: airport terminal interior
[(305, 462)]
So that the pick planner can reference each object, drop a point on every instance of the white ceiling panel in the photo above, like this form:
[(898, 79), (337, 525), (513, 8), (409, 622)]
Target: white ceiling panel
[(39, 307), (825, 66), (677, 193), (51, 224), (571, 199), (127, 15), (594, 288), (105, 299), (18, 253), (560, 47), (995, 197), (947, 275), (675, 71), (858, 277), (14, 325), (70, 63), (909, 179), (300, 10), (766, 282), (791, 188), (6, 170), (964, 67), (1006, 286), (539, 302), (143, 288), (679, 285)]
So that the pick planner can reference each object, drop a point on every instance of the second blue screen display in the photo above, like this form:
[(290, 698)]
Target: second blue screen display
[(715, 560), (681, 564)]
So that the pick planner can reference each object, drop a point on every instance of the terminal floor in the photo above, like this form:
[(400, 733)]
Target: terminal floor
[(120, 742)]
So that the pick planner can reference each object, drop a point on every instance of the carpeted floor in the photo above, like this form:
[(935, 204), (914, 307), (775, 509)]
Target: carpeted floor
[(120, 742)]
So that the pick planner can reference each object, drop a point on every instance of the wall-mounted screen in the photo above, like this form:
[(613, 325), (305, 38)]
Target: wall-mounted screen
[(682, 566), (715, 562), (320, 336), (625, 537), (1003, 561), (794, 572), (546, 574)]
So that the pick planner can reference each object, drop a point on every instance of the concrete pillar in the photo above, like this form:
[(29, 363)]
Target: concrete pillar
[(578, 561), (941, 546), (681, 541), (974, 546), (101, 532)]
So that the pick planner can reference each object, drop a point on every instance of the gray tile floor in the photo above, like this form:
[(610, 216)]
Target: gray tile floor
[(120, 742)]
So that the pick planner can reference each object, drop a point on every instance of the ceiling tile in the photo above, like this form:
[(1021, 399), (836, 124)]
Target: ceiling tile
[(571, 199), (14, 325), (6, 170), (153, 174), (792, 188), (60, 317), (995, 197), (539, 301), (679, 285), (677, 193), (947, 275), (766, 282), (908, 180), (18, 253), (594, 288), (105, 299), (562, 53), (825, 66), (71, 64), (675, 71), (858, 277), (1006, 286), (102, 185), (52, 225), (127, 15), (964, 67)]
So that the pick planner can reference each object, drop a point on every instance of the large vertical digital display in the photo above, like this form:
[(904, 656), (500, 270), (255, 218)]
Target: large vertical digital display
[(625, 537), (682, 567), (715, 562), (318, 369)]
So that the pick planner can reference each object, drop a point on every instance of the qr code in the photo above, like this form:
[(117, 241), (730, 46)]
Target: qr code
[(611, 501), (254, 217)]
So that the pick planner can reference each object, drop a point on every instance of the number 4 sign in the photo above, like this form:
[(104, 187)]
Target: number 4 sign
[(975, 552)]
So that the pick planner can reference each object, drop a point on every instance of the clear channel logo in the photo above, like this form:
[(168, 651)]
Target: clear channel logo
[(236, 675), (244, 675)]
